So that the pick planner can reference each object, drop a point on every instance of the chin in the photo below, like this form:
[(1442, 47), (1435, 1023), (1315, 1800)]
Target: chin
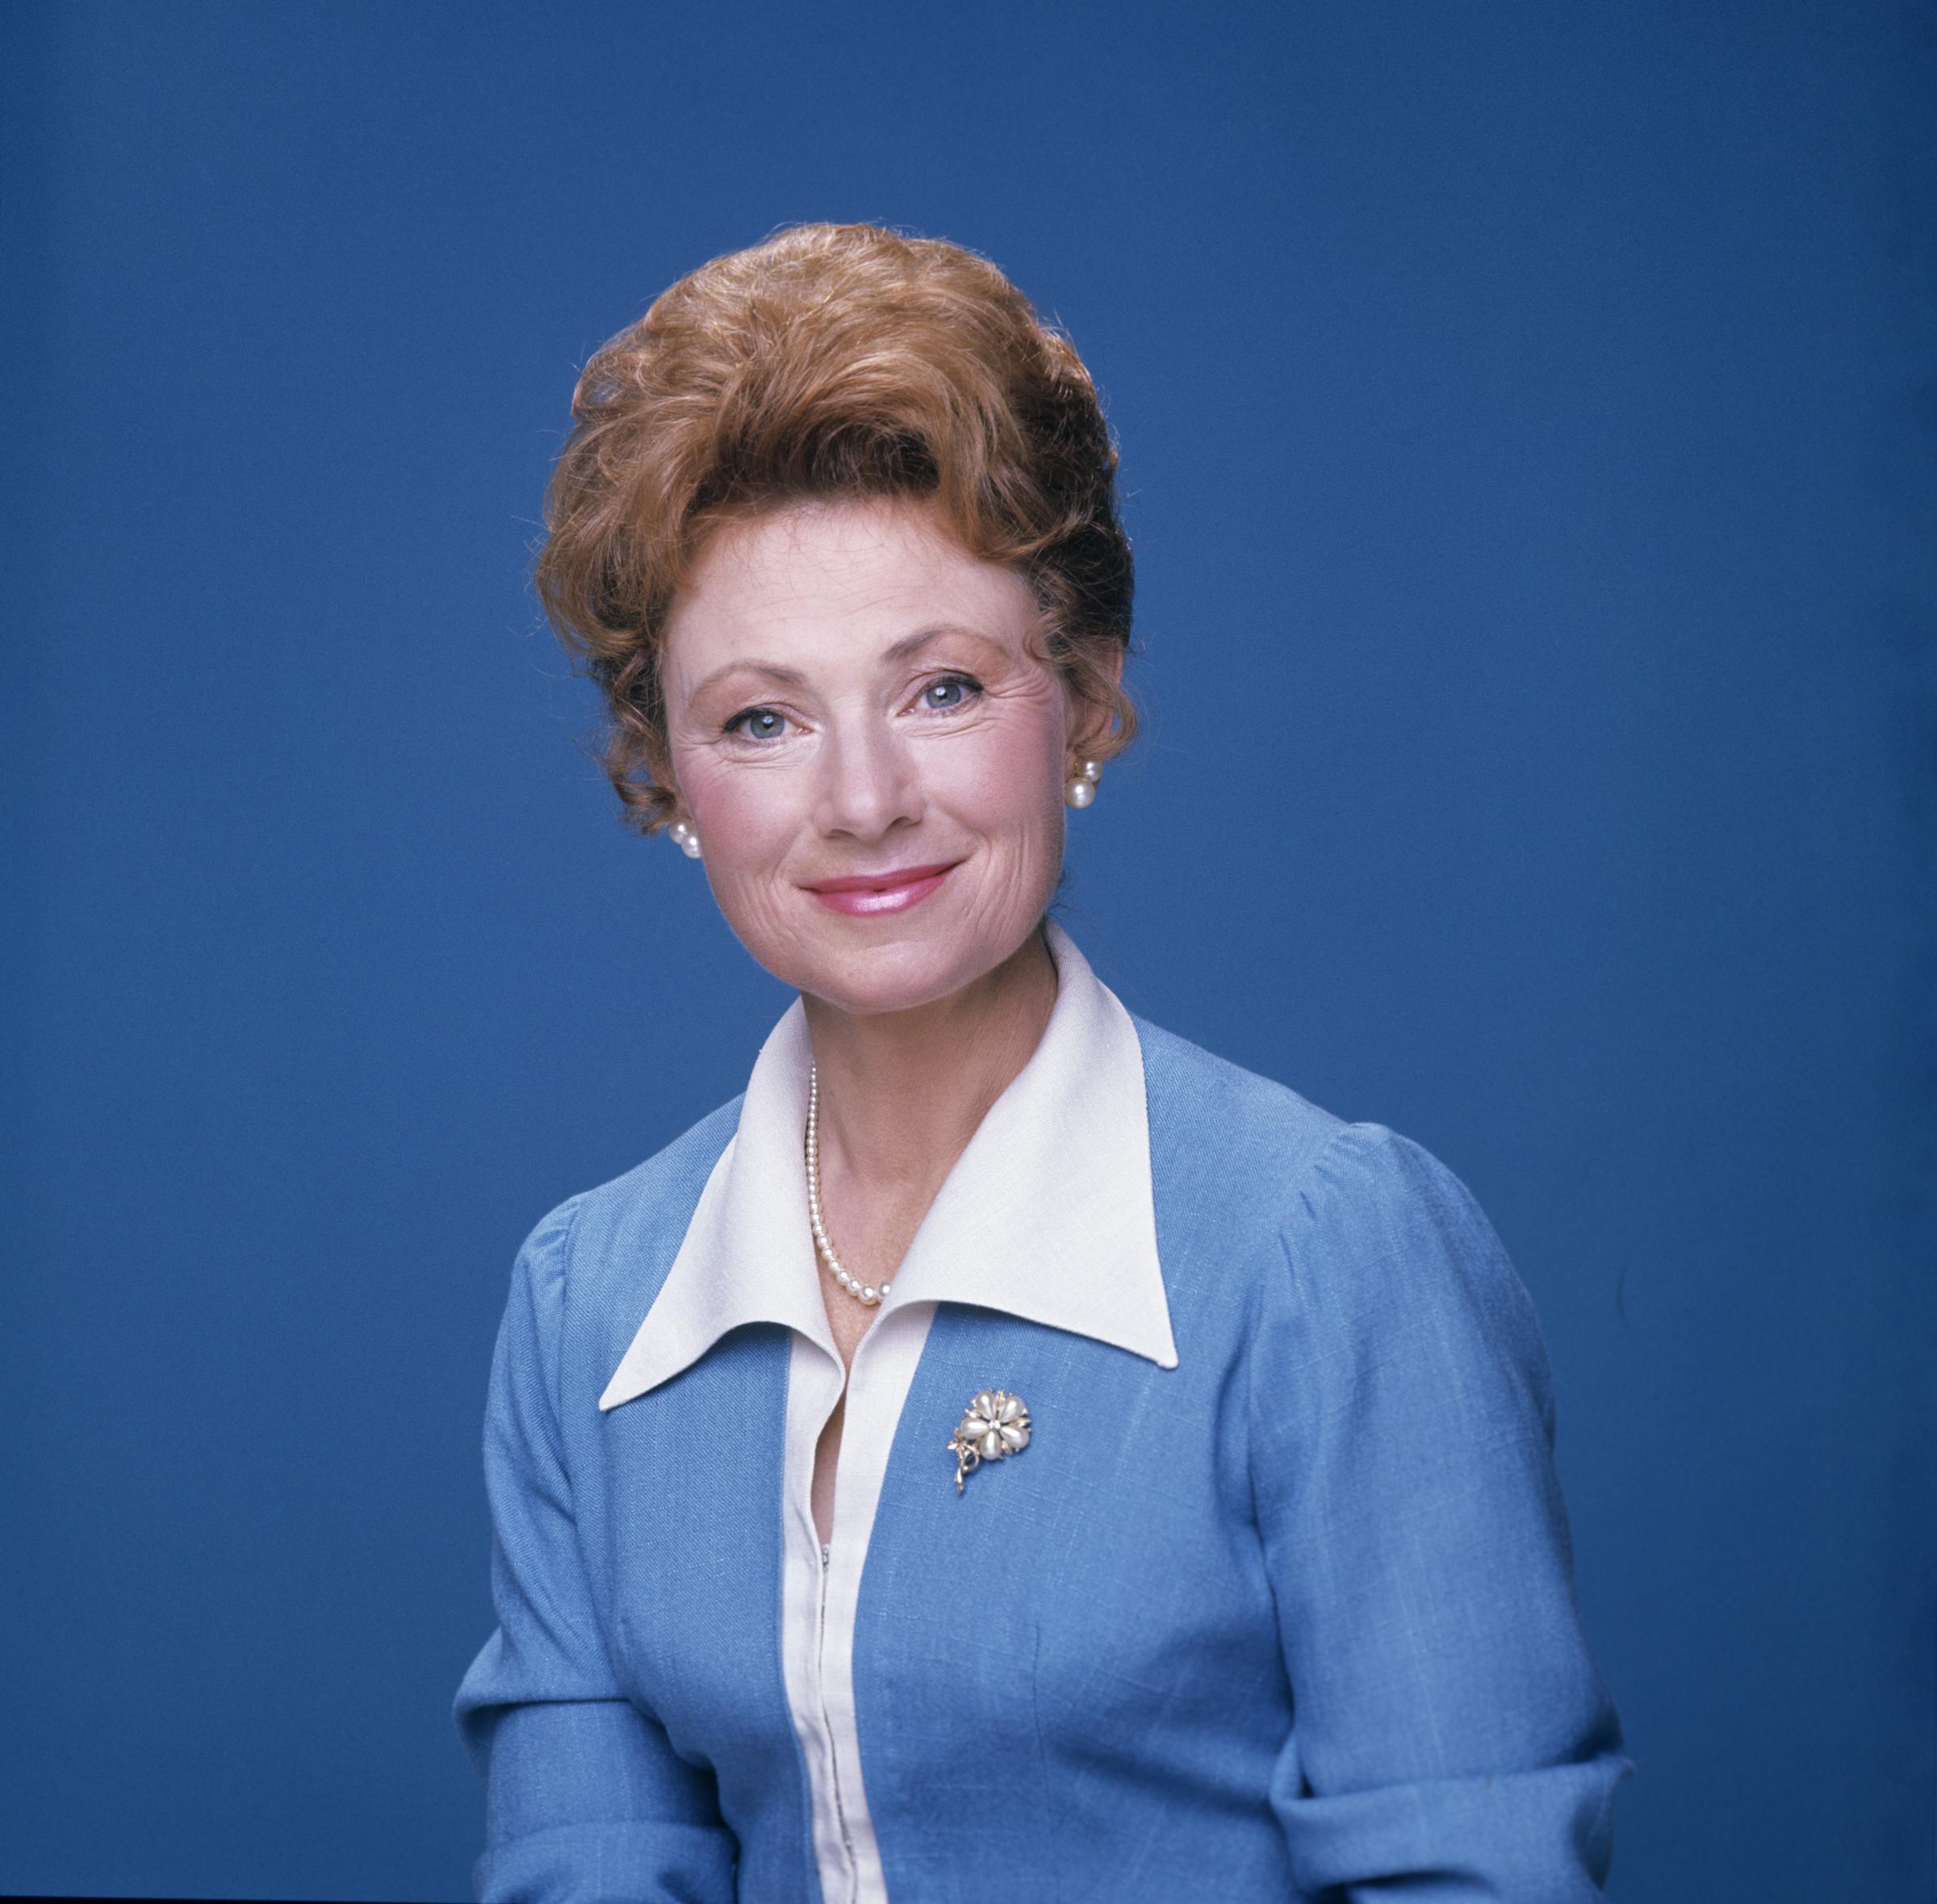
[(898, 976), (894, 978)]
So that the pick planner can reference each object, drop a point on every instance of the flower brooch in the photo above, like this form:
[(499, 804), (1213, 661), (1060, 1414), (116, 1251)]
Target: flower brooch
[(995, 1426)]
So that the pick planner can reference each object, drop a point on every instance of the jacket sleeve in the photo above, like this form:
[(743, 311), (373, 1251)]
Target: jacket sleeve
[(586, 1800), (1451, 1738)]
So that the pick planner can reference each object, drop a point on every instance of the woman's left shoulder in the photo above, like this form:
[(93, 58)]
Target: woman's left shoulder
[(1202, 1102), (1360, 1224), (1290, 1148)]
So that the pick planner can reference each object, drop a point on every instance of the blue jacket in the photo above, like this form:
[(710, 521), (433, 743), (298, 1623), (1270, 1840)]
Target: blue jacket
[(1294, 1619)]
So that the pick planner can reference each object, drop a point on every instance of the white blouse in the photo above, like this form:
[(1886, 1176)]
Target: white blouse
[(1047, 1214)]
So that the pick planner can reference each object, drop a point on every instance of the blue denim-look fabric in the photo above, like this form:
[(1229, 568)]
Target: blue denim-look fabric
[(1293, 1619)]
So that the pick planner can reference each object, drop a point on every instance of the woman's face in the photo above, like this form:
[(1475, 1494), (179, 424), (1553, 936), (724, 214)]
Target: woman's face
[(872, 757)]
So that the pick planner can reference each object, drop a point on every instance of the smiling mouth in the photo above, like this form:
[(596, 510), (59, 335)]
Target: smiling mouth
[(868, 894)]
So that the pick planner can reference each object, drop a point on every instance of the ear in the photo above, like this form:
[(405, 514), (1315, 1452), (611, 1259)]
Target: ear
[(1090, 721), (658, 754)]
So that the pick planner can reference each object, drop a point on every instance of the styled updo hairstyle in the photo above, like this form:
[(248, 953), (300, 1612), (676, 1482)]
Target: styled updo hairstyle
[(830, 361)]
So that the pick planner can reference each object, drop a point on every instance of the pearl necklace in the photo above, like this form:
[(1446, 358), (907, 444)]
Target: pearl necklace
[(862, 1292)]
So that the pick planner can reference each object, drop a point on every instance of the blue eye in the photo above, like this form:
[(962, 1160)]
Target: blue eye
[(760, 723), (950, 693)]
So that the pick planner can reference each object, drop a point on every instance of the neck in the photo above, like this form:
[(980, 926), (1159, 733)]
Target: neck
[(901, 1092)]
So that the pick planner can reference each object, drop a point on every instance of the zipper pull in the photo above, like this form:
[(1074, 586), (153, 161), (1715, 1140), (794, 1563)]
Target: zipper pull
[(824, 1553)]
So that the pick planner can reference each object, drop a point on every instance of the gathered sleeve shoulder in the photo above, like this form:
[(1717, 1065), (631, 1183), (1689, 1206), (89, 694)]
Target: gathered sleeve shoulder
[(585, 1799), (1451, 1736)]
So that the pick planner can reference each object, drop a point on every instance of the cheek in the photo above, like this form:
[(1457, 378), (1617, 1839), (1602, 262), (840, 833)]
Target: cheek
[(1006, 779), (745, 818)]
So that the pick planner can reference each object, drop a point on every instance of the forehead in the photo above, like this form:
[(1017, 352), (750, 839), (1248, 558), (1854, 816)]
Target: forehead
[(836, 579)]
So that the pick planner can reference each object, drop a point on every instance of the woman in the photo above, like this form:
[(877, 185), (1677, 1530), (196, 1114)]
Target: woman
[(1008, 1452)]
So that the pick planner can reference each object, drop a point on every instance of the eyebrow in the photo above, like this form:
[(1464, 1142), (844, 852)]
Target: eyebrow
[(792, 677)]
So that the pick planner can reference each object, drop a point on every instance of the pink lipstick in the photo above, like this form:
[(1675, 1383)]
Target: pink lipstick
[(866, 895)]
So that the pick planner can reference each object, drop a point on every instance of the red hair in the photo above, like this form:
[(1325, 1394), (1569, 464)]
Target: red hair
[(832, 360)]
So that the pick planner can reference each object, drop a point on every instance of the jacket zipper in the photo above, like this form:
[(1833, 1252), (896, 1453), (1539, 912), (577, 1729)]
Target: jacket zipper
[(833, 1762)]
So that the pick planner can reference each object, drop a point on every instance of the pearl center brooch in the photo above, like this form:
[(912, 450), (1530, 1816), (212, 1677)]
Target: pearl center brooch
[(995, 1426)]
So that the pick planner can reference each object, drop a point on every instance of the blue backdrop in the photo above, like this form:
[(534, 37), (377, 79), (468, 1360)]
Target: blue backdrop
[(1519, 408)]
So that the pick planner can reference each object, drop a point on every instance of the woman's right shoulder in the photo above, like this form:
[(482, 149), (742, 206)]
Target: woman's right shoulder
[(619, 1238)]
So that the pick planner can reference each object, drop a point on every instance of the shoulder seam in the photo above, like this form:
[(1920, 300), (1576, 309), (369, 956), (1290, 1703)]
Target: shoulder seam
[(554, 1375), (1313, 1159)]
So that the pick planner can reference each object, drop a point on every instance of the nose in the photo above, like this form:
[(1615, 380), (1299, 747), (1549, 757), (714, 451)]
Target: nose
[(867, 784)]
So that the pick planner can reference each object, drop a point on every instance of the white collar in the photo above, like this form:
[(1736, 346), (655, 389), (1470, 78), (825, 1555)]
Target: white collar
[(1047, 1214)]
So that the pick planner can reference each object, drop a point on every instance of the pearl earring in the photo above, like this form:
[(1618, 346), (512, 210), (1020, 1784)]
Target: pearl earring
[(1081, 789), (682, 835)]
